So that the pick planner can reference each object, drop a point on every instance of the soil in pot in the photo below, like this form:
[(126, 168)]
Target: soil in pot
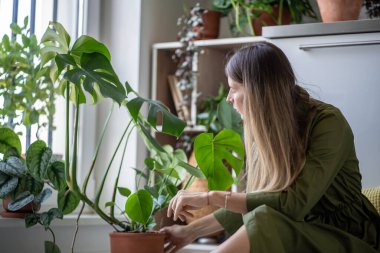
[(150, 242)]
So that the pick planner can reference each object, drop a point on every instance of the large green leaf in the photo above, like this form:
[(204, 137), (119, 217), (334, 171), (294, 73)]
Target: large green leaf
[(96, 70), (56, 33), (170, 123), (8, 186), (67, 201), (13, 166), (56, 175), (213, 154), (139, 206), (9, 139), (37, 159), (87, 44)]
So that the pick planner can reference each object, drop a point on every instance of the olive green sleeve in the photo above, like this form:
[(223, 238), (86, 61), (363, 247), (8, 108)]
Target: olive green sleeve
[(230, 221), (331, 142)]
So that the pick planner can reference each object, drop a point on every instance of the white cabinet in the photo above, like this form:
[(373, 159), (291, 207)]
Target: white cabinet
[(344, 70)]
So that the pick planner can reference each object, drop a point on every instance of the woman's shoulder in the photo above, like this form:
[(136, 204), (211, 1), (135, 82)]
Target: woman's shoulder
[(327, 116)]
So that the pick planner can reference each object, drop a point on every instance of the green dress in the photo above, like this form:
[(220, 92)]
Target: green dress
[(324, 209)]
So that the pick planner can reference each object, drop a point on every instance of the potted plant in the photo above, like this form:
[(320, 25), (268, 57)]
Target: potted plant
[(258, 13), (85, 66), (26, 88), (372, 7), (339, 10), (23, 181)]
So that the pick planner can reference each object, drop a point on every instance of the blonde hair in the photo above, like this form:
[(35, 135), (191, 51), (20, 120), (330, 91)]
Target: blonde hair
[(274, 133)]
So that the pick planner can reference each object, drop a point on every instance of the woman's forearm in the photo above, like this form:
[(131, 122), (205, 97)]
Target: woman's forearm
[(232, 201), (204, 226)]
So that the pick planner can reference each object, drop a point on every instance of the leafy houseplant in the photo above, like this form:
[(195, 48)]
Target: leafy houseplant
[(85, 66), (244, 11), (26, 88), (22, 182)]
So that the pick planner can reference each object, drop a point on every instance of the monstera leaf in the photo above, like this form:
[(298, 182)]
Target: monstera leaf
[(212, 154), (170, 123)]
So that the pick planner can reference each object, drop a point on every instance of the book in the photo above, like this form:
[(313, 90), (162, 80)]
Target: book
[(182, 110)]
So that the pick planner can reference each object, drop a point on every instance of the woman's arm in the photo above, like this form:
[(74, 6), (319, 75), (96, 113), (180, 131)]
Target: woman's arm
[(185, 201)]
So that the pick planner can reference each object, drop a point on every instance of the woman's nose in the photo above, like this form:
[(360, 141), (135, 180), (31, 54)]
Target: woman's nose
[(229, 100)]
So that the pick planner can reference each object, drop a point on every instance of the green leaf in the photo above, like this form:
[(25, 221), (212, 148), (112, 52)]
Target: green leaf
[(28, 183), (57, 34), (51, 247), (56, 175), (15, 28), (171, 124), (8, 187), (192, 170), (148, 139), (212, 154), (124, 191), (47, 217), (67, 201), (139, 207), (9, 139), (31, 219), (22, 200), (229, 117), (44, 195), (37, 159), (87, 44), (11, 152), (94, 69), (13, 166), (33, 117), (26, 21), (109, 204), (25, 40)]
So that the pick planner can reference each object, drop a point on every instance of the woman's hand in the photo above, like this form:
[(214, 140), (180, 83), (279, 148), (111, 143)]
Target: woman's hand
[(185, 201), (177, 237)]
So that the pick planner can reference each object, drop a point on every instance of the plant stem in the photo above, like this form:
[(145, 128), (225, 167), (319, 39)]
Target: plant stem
[(77, 226), (98, 194), (248, 14), (74, 183), (67, 143), (118, 173), (280, 9), (188, 183), (84, 188)]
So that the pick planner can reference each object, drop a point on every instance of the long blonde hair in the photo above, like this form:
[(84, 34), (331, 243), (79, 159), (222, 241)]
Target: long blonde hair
[(274, 133)]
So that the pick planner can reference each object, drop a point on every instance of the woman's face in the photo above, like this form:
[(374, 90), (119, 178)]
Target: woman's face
[(235, 95)]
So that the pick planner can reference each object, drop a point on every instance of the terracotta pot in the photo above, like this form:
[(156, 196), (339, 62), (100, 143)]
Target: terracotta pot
[(339, 10), (211, 24), (19, 213), (122, 242), (267, 19)]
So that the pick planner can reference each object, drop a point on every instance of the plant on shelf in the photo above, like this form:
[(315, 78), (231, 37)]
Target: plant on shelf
[(23, 181), (186, 56), (244, 11), (26, 89), (84, 67)]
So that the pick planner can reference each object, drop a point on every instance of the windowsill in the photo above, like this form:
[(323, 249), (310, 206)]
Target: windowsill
[(68, 220)]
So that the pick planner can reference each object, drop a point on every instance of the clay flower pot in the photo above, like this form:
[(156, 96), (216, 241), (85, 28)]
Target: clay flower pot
[(150, 242), (339, 10), (211, 24)]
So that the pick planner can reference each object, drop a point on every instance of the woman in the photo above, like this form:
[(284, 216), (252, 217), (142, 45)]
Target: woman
[(303, 180)]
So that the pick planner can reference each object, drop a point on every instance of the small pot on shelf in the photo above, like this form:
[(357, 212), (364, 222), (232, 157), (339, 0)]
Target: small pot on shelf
[(266, 19), (211, 24)]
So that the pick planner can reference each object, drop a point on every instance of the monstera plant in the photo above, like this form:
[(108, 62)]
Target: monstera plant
[(85, 67)]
